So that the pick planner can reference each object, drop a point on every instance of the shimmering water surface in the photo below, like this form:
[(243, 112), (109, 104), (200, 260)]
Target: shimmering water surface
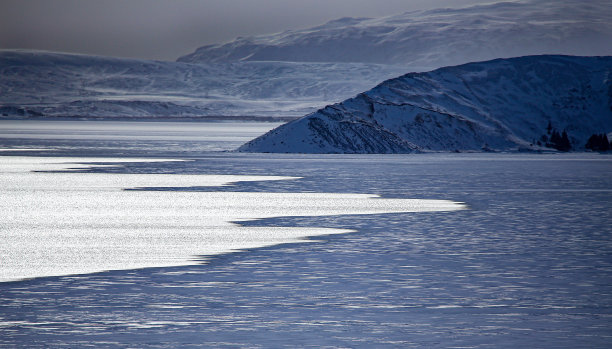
[(73, 223), (528, 264), (95, 136)]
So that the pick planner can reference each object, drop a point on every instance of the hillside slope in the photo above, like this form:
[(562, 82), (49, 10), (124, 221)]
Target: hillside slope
[(425, 40), (504, 104), (57, 84)]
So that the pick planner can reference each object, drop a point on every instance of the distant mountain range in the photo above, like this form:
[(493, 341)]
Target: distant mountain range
[(34, 83), (296, 72), (526, 103), (425, 40)]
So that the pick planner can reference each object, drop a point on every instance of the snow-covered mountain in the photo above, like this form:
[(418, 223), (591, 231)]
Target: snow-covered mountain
[(426, 40), (55, 84), (504, 104), (298, 71)]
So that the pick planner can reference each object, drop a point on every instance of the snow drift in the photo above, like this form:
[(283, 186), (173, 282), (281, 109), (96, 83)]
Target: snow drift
[(504, 104)]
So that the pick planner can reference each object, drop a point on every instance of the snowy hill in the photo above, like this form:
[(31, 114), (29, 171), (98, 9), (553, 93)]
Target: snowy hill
[(55, 84), (426, 40), (504, 104)]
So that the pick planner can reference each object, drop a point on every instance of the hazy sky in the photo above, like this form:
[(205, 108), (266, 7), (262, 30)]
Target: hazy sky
[(167, 29)]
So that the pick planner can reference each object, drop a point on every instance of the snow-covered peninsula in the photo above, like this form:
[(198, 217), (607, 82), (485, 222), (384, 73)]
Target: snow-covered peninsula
[(525, 103)]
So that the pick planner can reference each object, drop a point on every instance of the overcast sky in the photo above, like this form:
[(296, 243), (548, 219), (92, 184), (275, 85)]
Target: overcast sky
[(167, 29)]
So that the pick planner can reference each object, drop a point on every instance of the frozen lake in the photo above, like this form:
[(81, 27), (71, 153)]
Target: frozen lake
[(529, 263)]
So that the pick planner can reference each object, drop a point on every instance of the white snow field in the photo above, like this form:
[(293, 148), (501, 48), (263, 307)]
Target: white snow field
[(498, 105)]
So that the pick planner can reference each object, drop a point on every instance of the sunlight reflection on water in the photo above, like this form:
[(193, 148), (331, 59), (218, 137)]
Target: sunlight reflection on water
[(62, 223)]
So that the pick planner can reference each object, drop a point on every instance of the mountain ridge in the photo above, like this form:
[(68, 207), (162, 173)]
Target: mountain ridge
[(425, 40)]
